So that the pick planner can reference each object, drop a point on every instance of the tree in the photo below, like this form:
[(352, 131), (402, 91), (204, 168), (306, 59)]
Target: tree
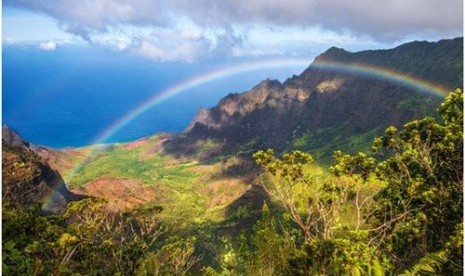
[(266, 250), (419, 211), (315, 203), (175, 257), (421, 207), (312, 201), (110, 241)]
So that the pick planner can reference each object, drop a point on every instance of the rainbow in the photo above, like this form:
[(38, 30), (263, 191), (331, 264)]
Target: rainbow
[(382, 73), (367, 70), (361, 69), (183, 86), (193, 82)]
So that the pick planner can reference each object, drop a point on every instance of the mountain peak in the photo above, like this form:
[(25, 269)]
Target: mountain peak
[(333, 53), (335, 49), (268, 83)]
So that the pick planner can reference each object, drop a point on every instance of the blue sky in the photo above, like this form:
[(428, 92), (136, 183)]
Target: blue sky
[(191, 31), (26, 26)]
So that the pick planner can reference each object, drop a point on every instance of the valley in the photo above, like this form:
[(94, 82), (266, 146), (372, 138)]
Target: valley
[(188, 190)]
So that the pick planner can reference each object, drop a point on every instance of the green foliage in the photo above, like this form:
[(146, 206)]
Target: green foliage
[(422, 203), (416, 218), (266, 250), (417, 104), (176, 257), (345, 255), (88, 238), (103, 235), (352, 165), (290, 166), (342, 137), (15, 262), (428, 264), (313, 201), (419, 210), (28, 241)]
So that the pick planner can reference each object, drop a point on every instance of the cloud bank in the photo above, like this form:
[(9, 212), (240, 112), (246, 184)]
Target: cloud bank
[(213, 25), (48, 45)]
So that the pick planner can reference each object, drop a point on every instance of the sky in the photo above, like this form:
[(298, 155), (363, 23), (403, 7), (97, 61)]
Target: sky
[(195, 31)]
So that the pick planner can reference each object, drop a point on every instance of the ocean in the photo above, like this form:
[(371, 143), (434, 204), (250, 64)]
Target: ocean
[(70, 96)]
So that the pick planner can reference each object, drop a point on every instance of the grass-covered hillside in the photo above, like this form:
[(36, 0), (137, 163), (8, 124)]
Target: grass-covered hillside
[(190, 191)]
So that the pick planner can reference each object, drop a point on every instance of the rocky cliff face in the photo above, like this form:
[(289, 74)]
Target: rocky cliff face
[(233, 107), (27, 179), (323, 106)]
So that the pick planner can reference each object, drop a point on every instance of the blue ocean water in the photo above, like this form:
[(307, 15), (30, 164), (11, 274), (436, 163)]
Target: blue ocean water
[(68, 97)]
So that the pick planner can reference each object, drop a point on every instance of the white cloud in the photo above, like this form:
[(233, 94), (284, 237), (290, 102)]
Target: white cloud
[(9, 40), (182, 29), (48, 45), (187, 43)]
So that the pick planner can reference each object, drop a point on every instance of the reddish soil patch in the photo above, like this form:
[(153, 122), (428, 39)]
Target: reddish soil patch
[(223, 192), (120, 193), (64, 159)]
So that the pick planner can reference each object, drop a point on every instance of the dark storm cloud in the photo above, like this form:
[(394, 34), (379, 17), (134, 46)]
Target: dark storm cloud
[(380, 19)]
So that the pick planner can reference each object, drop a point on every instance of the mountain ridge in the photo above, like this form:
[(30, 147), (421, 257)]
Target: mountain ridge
[(275, 115)]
